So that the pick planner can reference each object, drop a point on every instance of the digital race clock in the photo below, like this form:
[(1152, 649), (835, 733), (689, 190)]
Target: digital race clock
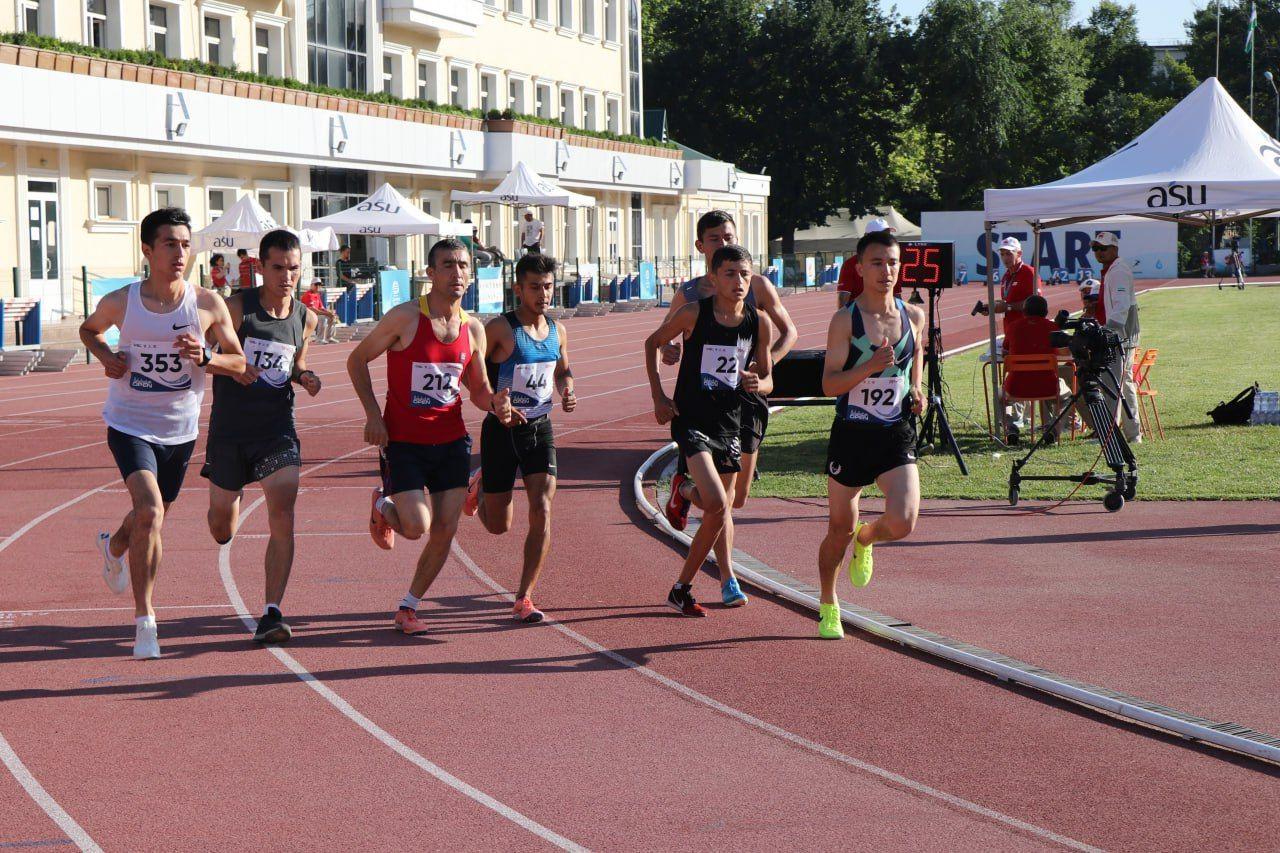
[(928, 265)]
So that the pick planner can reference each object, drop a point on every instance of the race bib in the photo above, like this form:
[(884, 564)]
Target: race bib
[(531, 385), (877, 396), (435, 385), (156, 366), (721, 367), (273, 359)]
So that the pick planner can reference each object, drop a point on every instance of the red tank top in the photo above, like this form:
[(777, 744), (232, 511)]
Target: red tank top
[(1100, 313), (424, 386)]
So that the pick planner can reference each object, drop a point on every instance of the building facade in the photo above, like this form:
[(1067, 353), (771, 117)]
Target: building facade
[(89, 145)]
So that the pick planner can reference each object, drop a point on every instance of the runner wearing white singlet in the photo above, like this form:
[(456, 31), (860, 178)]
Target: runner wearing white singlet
[(153, 401)]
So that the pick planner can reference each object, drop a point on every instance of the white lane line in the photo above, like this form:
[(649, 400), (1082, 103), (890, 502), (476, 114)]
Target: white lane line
[(46, 611), (781, 733), (380, 734), (50, 453), (43, 799)]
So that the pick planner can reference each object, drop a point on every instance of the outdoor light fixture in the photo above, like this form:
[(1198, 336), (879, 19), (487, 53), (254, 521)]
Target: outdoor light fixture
[(457, 147), (337, 134), (562, 155), (177, 117), (677, 174), (619, 168)]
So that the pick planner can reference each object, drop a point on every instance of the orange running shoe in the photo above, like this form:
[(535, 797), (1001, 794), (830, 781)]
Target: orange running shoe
[(383, 536), (472, 503), (524, 611), (407, 622)]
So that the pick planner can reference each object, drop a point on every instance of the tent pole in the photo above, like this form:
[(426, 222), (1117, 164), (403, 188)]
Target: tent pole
[(1035, 251), (997, 397)]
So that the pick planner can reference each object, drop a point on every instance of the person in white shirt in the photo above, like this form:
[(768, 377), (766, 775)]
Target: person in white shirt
[(1117, 309), (531, 233)]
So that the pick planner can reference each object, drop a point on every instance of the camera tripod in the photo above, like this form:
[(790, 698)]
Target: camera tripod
[(1115, 449), (935, 423)]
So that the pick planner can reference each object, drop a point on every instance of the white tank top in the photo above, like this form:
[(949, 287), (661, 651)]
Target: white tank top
[(158, 398)]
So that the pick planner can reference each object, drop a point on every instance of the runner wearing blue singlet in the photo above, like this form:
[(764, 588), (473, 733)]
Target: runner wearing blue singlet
[(874, 365), (527, 355)]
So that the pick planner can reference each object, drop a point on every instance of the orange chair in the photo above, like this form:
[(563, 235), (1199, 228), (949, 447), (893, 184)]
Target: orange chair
[(1024, 364), (1146, 392)]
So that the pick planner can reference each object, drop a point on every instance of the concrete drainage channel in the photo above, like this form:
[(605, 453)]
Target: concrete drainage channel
[(1229, 736)]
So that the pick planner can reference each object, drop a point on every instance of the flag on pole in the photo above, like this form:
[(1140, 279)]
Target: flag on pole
[(1253, 26)]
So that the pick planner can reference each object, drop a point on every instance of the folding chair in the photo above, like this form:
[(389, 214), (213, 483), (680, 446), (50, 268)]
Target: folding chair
[(1146, 392), (1020, 364)]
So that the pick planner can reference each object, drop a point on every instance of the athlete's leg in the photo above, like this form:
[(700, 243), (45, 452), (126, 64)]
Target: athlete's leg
[(496, 511), (120, 539), (842, 515), (281, 491), (442, 520), (407, 513), (224, 513), (144, 537), (742, 487), (540, 488), (723, 546), (708, 494), (901, 488)]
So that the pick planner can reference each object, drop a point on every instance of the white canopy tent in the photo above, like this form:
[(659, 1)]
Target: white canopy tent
[(841, 232), (1204, 162), (387, 213), (242, 225), (524, 187)]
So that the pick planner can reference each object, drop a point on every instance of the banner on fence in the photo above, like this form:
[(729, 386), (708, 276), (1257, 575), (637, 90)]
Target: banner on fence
[(99, 288), (648, 280), (810, 271), (395, 287), (489, 282)]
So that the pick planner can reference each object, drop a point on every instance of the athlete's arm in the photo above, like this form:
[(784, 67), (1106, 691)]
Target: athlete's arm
[(110, 312), (671, 349), (835, 379), (230, 361), (564, 374), (917, 317), (307, 379), (679, 323), (768, 301), (476, 379), (760, 380), (499, 339), (385, 335)]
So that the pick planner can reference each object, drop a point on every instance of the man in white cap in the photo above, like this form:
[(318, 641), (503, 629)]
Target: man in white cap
[(1018, 283), (850, 282), (531, 233), (1118, 310)]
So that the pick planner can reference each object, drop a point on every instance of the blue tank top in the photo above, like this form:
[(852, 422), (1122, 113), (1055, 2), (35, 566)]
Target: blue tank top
[(529, 373), (692, 293), (877, 400)]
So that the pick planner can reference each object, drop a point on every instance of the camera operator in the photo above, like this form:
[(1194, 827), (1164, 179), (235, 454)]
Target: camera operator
[(1117, 309), (1017, 284), (1031, 337)]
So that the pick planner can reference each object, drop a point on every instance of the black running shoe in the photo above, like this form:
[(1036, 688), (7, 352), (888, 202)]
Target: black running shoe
[(681, 599), (272, 628)]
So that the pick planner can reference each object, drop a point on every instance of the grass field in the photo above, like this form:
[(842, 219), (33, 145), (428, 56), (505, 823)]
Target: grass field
[(1212, 344)]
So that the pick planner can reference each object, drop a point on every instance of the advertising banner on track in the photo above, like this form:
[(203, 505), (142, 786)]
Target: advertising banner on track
[(489, 284), (395, 287), (648, 280)]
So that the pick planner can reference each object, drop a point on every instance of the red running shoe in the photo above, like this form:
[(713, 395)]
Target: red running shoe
[(407, 622), (677, 509), (383, 536), (471, 505)]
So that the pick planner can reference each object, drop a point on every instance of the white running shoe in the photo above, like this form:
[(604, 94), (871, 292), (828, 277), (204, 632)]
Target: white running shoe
[(115, 570), (146, 642)]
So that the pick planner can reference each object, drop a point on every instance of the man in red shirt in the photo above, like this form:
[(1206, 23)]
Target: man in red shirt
[(314, 300), (250, 269), (1018, 282), (850, 285), (1030, 336)]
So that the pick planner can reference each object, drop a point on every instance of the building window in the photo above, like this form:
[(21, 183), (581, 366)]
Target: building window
[(590, 117), (542, 100), (542, 11), (109, 199), (95, 23), (568, 109), (218, 202), (515, 7), (262, 50), (515, 95), (589, 17), (589, 232), (633, 67), (488, 91), (388, 75), (459, 87), (614, 115), (275, 202), (164, 195), (566, 14), (611, 21), (428, 86), (29, 16), (336, 43), (217, 40), (637, 226), (158, 28), (612, 236)]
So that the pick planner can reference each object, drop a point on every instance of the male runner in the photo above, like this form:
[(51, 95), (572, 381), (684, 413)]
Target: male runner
[(430, 345), (716, 229), (251, 431), (528, 356), (727, 339), (874, 366), (153, 402)]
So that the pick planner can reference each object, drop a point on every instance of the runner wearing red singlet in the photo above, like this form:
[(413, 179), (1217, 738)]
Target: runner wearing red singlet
[(431, 345)]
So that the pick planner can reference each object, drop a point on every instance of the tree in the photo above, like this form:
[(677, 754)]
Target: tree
[(1234, 73), (1118, 60)]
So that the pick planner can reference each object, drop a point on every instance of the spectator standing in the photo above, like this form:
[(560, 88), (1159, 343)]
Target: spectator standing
[(1118, 310), (531, 234), (1206, 265), (218, 275), (250, 269)]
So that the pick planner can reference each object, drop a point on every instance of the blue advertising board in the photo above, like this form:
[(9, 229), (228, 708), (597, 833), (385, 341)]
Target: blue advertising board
[(99, 288), (395, 287), (489, 290), (648, 280)]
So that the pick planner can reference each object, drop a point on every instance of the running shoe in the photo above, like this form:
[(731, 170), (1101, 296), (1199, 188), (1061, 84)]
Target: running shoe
[(383, 536), (407, 622), (829, 627), (677, 509), (860, 562), (115, 571), (272, 628), (731, 594), (681, 599), (146, 640), (524, 611), (472, 503)]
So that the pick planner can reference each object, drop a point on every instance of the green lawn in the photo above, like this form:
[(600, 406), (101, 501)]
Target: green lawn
[(1212, 344)]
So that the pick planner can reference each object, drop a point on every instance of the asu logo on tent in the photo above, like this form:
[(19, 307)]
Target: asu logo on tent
[(1177, 195)]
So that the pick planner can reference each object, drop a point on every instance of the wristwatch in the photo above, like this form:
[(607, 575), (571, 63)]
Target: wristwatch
[(206, 356)]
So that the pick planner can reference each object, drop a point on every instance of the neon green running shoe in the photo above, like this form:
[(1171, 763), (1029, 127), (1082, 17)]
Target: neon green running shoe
[(860, 562), (829, 627)]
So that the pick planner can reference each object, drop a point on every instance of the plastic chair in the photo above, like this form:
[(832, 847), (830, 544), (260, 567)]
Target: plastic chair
[(1146, 392), (1027, 364)]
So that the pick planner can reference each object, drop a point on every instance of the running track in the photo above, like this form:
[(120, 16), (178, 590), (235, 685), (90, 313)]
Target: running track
[(621, 726)]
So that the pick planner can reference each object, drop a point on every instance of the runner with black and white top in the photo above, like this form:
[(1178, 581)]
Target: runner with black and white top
[(726, 354), (873, 367), (527, 355), (252, 438), (153, 402)]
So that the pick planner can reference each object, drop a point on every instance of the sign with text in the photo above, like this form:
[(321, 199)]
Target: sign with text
[(648, 280), (489, 284), (395, 287)]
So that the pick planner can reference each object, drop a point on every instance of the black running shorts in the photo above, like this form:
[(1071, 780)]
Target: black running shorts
[(528, 448), (167, 462), (725, 450), (755, 421), (232, 465), (409, 467), (859, 453)]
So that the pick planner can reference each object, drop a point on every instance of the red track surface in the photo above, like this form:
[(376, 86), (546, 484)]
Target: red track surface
[(623, 727)]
